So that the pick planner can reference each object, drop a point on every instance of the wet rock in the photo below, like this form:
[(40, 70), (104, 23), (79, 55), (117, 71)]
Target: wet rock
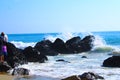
[(33, 55), (84, 57), (20, 71), (59, 46), (45, 47), (73, 45), (14, 57), (74, 77), (4, 67), (90, 76), (62, 60), (85, 76), (86, 43), (113, 61)]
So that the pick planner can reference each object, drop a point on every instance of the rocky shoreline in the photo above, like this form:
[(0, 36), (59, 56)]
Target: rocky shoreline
[(45, 48), (39, 52)]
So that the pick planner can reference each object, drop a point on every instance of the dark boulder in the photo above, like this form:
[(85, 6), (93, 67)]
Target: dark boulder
[(4, 67), (74, 77), (45, 47), (62, 60), (84, 57), (20, 71), (73, 44), (33, 55), (86, 43), (14, 57), (113, 61), (90, 76), (59, 46), (85, 76)]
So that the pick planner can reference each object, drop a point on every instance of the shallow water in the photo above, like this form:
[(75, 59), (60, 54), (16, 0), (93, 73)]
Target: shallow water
[(73, 65), (35, 78)]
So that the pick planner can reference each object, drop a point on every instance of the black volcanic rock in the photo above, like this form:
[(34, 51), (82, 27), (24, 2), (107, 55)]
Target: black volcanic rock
[(73, 44), (4, 67), (33, 55), (20, 71), (45, 47), (90, 76), (14, 57), (38, 53), (113, 61), (86, 43), (85, 76), (59, 46)]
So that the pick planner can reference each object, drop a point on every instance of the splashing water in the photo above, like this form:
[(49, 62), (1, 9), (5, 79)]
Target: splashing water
[(64, 36), (22, 45)]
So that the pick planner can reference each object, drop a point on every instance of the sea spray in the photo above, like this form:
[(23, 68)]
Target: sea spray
[(100, 46), (50, 36), (22, 45), (64, 36)]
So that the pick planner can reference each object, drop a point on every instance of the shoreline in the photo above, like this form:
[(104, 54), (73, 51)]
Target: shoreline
[(6, 76), (34, 77)]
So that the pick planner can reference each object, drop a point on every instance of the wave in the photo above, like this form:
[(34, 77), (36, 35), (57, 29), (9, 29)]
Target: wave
[(64, 36), (99, 44), (22, 45)]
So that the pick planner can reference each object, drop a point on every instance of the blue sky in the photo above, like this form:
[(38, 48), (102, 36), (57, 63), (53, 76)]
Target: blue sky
[(44, 16)]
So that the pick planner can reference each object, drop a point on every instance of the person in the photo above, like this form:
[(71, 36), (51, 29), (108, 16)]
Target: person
[(3, 47), (4, 36)]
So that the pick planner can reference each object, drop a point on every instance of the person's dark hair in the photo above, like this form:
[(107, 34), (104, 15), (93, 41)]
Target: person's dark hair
[(2, 33)]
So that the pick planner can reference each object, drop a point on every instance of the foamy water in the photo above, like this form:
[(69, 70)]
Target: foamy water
[(75, 66), (23, 45)]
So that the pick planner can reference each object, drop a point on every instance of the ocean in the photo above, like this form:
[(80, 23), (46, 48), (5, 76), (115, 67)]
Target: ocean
[(104, 44)]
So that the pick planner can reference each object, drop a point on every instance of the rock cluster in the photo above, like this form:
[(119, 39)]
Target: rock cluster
[(85, 76), (39, 52)]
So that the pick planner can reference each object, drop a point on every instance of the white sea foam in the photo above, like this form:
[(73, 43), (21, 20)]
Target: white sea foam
[(116, 52), (22, 45), (99, 41), (64, 36), (77, 66), (100, 46)]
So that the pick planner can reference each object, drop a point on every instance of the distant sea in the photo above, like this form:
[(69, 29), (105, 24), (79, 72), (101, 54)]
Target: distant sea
[(105, 43)]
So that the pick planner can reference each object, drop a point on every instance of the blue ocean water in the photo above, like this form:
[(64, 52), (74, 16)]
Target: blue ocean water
[(29, 37), (105, 44), (110, 37)]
